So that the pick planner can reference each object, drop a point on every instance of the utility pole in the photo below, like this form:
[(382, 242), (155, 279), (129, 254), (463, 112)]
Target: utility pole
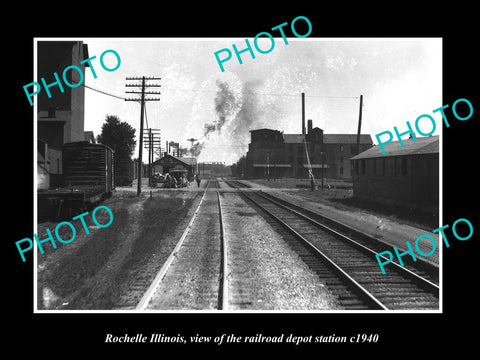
[(142, 100), (152, 143), (359, 124), (192, 140)]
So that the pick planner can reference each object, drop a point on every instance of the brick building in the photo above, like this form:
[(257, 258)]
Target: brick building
[(271, 153), (406, 175)]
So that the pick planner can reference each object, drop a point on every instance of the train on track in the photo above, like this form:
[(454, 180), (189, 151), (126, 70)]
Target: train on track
[(88, 178)]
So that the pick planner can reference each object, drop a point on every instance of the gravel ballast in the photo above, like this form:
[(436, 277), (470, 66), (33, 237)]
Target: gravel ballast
[(264, 273)]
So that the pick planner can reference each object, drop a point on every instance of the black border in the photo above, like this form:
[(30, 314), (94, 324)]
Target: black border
[(399, 333)]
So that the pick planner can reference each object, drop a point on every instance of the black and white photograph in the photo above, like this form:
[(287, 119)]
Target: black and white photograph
[(258, 188), (288, 185)]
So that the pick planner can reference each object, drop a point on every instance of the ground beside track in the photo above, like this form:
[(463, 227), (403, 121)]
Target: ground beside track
[(96, 270)]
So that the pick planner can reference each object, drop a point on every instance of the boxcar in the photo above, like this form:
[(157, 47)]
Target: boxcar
[(88, 166), (88, 178)]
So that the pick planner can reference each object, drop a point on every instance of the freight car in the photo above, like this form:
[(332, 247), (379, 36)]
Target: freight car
[(88, 178)]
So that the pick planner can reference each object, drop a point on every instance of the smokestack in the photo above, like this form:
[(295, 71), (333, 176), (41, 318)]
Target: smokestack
[(303, 114), (310, 126)]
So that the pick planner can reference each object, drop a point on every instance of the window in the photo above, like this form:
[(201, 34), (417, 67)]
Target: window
[(341, 148), (404, 166)]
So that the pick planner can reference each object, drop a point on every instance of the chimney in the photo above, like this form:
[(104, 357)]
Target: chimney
[(303, 114), (310, 126)]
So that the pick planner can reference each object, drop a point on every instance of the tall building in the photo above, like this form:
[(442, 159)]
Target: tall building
[(61, 116), (271, 153)]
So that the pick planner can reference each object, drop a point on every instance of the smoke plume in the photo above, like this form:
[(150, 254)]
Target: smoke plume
[(226, 106), (238, 110)]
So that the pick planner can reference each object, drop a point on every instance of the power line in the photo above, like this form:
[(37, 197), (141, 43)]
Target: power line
[(103, 92), (269, 94), (216, 91)]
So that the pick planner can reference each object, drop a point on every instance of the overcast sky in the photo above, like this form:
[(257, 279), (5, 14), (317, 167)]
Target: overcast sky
[(400, 79)]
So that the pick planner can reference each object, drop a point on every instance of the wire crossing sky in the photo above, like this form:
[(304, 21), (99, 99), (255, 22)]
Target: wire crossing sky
[(399, 79)]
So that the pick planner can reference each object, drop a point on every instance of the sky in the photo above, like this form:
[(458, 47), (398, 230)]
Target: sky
[(399, 78)]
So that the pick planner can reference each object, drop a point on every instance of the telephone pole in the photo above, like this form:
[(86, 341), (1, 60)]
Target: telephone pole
[(151, 141), (359, 124), (143, 85)]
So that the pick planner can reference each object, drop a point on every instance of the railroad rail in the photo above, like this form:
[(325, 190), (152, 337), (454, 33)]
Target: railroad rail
[(187, 246), (347, 266)]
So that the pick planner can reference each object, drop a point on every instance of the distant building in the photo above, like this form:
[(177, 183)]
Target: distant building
[(272, 153), (61, 117), (169, 163), (339, 149), (90, 137), (406, 175), (208, 169)]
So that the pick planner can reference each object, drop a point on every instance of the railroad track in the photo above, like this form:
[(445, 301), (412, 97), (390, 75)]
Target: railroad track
[(348, 268), (194, 275)]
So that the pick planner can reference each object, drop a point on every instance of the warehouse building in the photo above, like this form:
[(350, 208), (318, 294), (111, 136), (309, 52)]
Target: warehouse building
[(273, 154), (406, 175)]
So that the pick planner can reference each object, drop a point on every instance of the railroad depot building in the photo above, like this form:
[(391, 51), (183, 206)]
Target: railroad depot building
[(272, 154), (406, 176), (170, 163)]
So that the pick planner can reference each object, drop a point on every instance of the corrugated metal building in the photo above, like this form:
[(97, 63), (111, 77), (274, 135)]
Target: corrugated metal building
[(406, 175)]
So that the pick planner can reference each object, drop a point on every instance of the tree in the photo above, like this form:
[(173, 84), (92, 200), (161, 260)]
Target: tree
[(119, 135), (238, 169)]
